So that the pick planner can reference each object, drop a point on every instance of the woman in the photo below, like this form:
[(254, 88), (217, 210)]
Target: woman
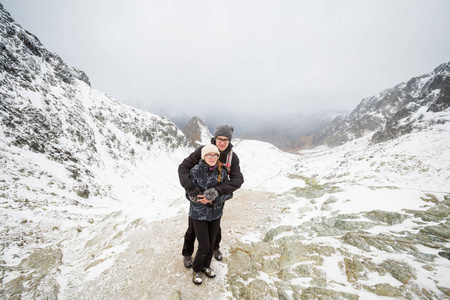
[(207, 209)]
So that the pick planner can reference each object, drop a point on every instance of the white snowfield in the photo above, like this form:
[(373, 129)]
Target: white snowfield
[(96, 234)]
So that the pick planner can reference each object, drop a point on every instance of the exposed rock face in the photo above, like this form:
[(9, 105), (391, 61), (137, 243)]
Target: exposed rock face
[(23, 56), (42, 282), (296, 262), (402, 109), (197, 132)]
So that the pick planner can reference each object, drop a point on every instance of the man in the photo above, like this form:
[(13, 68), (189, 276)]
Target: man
[(222, 139)]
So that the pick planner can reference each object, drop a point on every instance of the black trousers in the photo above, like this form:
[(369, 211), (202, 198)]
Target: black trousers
[(189, 239), (206, 232)]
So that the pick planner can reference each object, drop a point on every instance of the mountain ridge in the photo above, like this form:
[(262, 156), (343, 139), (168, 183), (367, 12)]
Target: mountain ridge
[(392, 112), (41, 91)]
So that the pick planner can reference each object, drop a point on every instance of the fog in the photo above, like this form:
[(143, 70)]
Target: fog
[(242, 62)]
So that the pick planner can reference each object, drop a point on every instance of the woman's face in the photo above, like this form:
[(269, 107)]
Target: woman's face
[(211, 159)]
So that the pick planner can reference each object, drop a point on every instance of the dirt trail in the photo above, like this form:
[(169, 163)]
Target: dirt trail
[(151, 267)]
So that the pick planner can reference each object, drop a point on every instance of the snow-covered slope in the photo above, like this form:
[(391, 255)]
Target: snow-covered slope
[(419, 160), (358, 221), (70, 156), (361, 220), (407, 107), (265, 167)]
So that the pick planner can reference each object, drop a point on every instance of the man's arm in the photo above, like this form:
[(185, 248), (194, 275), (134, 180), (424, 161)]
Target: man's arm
[(185, 167), (236, 178)]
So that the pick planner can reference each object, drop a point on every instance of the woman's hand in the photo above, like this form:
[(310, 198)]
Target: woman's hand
[(203, 200)]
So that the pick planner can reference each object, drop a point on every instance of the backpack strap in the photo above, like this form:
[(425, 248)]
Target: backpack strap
[(227, 164)]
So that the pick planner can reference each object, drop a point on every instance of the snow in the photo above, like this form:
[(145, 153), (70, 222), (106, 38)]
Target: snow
[(265, 167), (368, 177), (392, 176), (134, 187), (107, 260), (205, 137), (150, 191), (361, 198)]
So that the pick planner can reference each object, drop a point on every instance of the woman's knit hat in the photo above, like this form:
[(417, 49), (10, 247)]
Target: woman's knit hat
[(209, 149), (224, 130)]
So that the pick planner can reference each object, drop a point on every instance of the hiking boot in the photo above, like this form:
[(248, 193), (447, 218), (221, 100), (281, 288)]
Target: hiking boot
[(187, 261), (209, 272), (217, 255), (197, 278)]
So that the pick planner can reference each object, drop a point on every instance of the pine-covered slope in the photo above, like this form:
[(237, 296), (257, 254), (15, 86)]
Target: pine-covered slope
[(408, 107)]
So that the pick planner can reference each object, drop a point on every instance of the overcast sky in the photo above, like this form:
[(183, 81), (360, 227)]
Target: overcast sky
[(261, 57)]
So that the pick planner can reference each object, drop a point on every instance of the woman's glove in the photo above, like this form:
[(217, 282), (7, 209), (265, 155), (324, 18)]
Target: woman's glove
[(193, 192), (211, 194)]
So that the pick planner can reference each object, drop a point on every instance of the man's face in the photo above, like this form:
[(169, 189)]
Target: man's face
[(222, 143)]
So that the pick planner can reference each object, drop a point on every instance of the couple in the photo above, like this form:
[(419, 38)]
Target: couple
[(209, 181)]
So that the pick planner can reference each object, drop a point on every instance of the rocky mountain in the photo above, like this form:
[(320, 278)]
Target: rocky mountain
[(50, 109), (405, 108), (197, 132), (66, 151)]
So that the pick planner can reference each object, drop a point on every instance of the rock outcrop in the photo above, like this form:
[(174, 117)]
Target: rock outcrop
[(299, 261), (197, 132)]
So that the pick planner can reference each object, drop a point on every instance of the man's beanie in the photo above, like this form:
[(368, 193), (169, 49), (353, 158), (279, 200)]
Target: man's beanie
[(209, 149), (224, 130)]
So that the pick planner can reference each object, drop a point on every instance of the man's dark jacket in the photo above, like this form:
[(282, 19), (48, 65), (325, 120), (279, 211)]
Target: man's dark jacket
[(228, 187)]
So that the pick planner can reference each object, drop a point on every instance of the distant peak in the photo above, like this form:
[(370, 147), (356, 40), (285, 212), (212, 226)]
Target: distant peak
[(197, 132)]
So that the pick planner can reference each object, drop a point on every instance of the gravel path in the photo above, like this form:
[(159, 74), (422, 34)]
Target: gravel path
[(151, 266)]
